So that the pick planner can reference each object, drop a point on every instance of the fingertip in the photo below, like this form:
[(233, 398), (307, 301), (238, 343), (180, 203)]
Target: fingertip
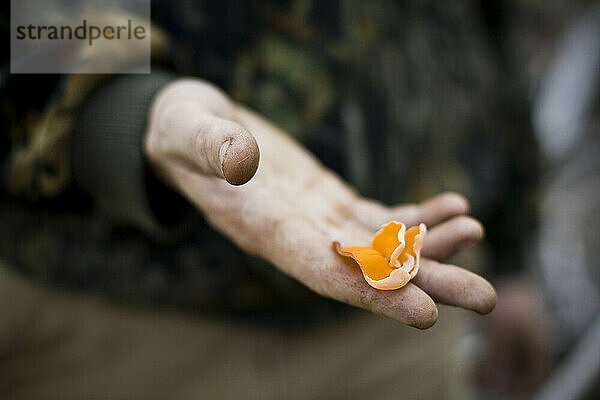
[(470, 228), (480, 229), (239, 158), (426, 317), (423, 315), (488, 298), (457, 203)]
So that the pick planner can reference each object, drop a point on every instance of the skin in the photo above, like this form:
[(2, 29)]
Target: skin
[(289, 208)]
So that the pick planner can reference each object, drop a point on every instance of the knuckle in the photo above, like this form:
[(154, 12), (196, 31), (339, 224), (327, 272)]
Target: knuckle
[(469, 226), (150, 145), (207, 136), (208, 95), (211, 95), (412, 212), (458, 202)]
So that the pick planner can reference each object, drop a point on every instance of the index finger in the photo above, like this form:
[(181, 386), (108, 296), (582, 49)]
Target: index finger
[(437, 209)]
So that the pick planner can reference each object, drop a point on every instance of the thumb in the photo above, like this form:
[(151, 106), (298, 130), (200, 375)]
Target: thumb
[(207, 143), (238, 154)]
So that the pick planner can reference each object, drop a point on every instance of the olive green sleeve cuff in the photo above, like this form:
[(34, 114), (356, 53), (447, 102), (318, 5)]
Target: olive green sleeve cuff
[(107, 158)]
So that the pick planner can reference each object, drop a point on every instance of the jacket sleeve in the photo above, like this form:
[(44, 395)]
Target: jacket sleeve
[(107, 160)]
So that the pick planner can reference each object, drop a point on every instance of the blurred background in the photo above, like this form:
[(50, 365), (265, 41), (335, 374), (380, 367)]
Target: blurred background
[(499, 101)]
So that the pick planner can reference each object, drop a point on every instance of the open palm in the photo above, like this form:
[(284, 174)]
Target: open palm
[(290, 208)]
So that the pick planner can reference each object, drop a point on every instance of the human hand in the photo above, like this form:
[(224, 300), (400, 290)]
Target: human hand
[(290, 211)]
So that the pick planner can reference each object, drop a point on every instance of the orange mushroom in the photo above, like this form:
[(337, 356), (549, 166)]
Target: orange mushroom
[(393, 259)]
